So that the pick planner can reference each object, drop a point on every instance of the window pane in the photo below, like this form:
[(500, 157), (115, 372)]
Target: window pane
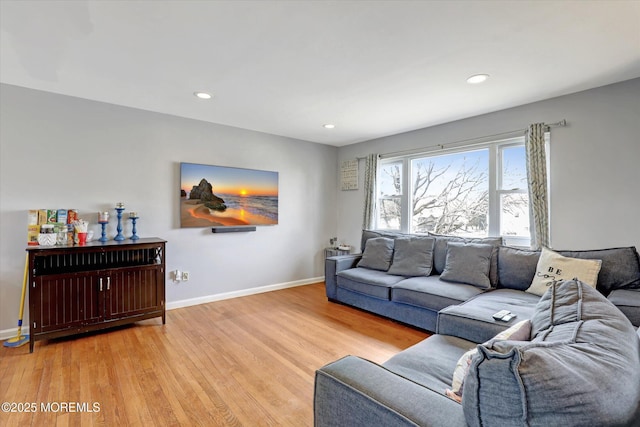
[(450, 194), (389, 210), (514, 214), (514, 169), (390, 179)]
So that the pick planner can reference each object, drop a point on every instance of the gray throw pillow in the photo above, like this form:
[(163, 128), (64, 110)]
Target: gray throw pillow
[(440, 252), (516, 267), (412, 256), (468, 263), (378, 253)]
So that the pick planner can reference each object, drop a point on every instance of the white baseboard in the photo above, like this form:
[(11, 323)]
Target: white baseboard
[(241, 293), (10, 333), (5, 334)]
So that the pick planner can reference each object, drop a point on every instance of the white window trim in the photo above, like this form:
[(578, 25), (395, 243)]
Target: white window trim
[(402, 196), (494, 181)]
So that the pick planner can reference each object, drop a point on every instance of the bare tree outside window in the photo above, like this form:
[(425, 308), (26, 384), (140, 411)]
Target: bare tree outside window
[(451, 194), (390, 196), (390, 214)]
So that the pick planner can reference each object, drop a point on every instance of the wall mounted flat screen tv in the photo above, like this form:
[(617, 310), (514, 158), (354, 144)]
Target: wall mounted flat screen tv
[(221, 196)]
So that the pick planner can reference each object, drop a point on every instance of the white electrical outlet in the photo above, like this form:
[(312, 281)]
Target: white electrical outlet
[(177, 275), (185, 276)]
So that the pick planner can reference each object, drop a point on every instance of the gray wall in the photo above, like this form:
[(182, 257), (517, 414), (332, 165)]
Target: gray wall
[(57, 151), (63, 152), (595, 163)]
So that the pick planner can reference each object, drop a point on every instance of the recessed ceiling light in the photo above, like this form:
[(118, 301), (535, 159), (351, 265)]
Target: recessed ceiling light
[(202, 95), (477, 78), (328, 126)]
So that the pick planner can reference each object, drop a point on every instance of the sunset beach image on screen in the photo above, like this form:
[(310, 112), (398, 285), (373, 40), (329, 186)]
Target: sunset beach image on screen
[(222, 196)]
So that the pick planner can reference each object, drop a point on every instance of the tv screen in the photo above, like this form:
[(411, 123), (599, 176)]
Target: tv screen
[(220, 196)]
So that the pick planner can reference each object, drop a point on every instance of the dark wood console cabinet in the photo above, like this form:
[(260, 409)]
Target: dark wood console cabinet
[(76, 289)]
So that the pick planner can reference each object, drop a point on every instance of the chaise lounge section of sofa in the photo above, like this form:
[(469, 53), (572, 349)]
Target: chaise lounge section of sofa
[(578, 365)]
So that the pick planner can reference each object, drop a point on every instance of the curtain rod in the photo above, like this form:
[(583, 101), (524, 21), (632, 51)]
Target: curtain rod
[(466, 142)]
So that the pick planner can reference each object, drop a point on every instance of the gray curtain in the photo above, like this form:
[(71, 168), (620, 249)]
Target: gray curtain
[(370, 177), (537, 180)]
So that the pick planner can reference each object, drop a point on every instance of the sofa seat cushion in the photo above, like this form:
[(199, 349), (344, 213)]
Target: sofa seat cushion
[(431, 292), (355, 392), (581, 367), (628, 301), (431, 362), (368, 282), (473, 319)]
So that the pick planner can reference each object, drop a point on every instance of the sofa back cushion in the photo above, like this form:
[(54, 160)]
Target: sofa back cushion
[(372, 234), (440, 247), (582, 367), (554, 267), (620, 267)]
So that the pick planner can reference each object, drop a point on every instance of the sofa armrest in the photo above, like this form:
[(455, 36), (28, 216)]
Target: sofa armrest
[(627, 301), (332, 266), (355, 392)]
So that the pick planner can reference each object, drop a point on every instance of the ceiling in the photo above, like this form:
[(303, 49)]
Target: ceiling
[(372, 68)]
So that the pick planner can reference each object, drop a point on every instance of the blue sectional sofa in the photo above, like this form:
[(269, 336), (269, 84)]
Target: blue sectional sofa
[(579, 364), (421, 300)]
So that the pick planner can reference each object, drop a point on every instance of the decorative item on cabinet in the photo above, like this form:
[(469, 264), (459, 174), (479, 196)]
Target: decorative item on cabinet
[(133, 216), (119, 209), (47, 237), (103, 220), (329, 252)]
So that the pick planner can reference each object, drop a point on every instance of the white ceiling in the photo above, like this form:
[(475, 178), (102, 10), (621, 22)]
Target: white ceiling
[(373, 68)]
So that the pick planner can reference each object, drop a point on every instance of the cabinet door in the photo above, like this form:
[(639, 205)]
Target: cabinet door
[(65, 301), (133, 291)]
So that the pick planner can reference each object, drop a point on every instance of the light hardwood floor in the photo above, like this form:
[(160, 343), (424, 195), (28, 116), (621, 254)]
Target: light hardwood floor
[(246, 361)]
